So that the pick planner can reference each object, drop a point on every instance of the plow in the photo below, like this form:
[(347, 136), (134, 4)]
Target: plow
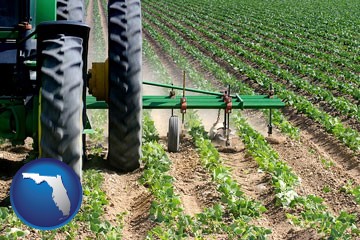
[(47, 87)]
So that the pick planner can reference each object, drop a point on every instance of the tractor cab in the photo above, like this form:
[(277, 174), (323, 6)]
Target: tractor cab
[(14, 74), (9, 13)]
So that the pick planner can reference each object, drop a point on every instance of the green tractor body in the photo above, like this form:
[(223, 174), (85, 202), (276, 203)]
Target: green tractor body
[(19, 86), (29, 30)]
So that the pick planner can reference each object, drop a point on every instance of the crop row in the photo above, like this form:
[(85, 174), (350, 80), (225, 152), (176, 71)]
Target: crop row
[(314, 213), (313, 18), (340, 104), (282, 177), (104, 5), (240, 23), (343, 48), (166, 208), (99, 41), (275, 52), (233, 201), (348, 136)]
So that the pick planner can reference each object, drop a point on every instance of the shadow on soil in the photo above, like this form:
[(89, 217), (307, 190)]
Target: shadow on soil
[(9, 168)]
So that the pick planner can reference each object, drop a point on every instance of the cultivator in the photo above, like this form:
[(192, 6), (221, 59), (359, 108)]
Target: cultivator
[(45, 78), (207, 100)]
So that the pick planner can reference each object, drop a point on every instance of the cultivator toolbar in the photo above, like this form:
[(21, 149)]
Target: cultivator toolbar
[(203, 100), (209, 100)]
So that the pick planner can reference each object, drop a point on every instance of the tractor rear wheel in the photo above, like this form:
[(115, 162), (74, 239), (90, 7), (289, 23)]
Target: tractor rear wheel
[(61, 103), (125, 98), (72, 10)]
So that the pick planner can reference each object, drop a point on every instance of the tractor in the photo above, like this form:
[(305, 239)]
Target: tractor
[(47, 88)]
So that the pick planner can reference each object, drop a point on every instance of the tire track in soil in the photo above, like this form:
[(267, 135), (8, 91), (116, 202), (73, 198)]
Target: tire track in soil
[(103, 24), (192, 182), (126, 194), (90, 21)]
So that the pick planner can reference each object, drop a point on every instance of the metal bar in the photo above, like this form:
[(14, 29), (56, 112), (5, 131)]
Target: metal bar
[(270, 126), (228, 123), (92, 103), (207, 105), (181, 88), (26, 38), (184, 79), (197, 102)]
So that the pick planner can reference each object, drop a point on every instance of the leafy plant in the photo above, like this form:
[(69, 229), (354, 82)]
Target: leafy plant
[(353, 190), (327, 164)]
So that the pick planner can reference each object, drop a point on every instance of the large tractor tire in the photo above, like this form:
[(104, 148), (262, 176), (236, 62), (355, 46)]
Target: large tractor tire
[(61, 103), (71, 10), (74, 10), (125, 97)]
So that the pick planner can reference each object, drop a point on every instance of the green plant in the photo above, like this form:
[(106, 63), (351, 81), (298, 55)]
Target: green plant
[(149, 132), (327, 164), (94, 201), (353, 190), (10, 226), (326, 189)]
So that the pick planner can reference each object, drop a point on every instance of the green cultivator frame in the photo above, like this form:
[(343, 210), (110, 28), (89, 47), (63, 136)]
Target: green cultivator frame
[(209, 100), (44, 81)]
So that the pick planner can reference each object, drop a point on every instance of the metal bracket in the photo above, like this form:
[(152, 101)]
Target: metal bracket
[(183, 99), (271, 95)]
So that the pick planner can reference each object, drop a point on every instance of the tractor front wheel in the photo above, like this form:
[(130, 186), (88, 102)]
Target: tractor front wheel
[(71, 10), (61, 103), (125, 98)]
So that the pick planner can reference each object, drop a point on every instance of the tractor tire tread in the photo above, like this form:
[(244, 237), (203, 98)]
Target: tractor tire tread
[(61, 101), (125, 84), (71, 10)]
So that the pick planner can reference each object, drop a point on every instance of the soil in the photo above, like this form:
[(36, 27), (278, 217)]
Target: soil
[(192, 182), (126, 195)]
